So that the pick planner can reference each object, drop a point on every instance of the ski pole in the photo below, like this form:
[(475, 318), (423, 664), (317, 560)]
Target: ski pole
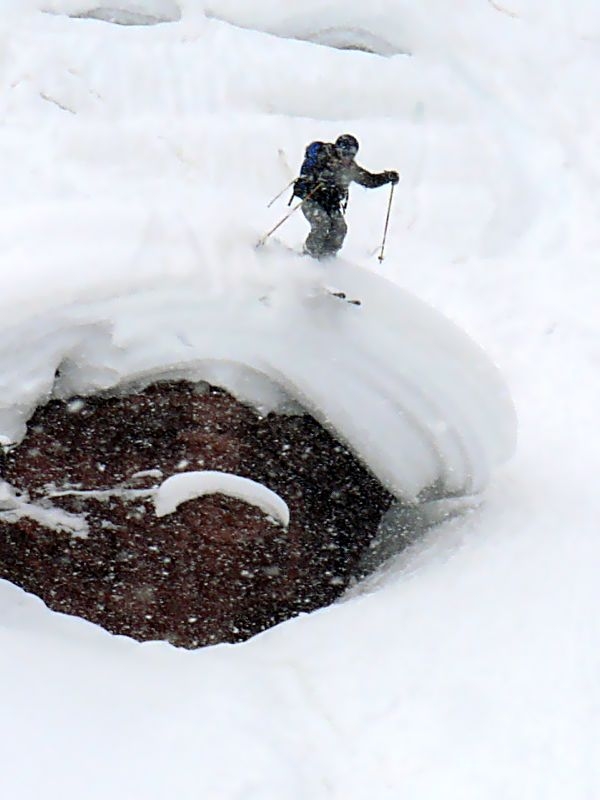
[(387, 221), (277, 196), (264, 238)]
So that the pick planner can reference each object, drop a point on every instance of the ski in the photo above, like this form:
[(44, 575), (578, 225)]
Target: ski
[(274, 242), (343, 296)]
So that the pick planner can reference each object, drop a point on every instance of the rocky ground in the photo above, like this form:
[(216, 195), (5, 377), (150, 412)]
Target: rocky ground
[(217, 569)]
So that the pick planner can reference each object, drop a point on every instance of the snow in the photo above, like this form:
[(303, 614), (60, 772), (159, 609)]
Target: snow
[(137, 165), (14, 506), (187, 485), (440, 412)]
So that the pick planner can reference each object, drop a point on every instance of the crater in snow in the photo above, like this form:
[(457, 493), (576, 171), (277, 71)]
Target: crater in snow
[(78, 497)]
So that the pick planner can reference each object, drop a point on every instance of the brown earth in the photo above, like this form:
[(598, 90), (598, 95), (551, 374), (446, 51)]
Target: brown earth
[(216, 570)]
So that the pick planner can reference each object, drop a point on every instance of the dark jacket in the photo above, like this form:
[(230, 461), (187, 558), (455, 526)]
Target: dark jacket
[(327, 184)]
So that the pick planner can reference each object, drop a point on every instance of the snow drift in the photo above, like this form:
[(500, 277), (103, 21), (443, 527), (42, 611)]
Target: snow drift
[(419, 403), (137, 165)]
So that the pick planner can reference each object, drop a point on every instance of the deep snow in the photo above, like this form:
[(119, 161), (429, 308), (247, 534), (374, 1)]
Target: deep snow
[(468, 667)]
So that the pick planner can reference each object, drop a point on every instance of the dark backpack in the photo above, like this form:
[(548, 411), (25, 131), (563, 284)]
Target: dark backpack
[(316, 157), (313, 152)]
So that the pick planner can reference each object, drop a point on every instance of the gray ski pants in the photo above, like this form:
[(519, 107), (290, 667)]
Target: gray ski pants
[(327, 230)]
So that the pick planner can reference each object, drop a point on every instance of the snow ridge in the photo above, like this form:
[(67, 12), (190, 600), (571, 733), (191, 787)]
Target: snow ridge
[(185, 486)]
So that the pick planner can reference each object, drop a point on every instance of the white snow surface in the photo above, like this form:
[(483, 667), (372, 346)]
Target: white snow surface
[(137, 164), (177, 489), (14, 506)]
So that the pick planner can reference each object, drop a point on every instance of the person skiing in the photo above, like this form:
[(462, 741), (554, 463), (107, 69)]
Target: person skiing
[(325, 176)]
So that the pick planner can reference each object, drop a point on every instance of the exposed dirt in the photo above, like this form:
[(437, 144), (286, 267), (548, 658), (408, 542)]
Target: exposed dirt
[(217, 569)]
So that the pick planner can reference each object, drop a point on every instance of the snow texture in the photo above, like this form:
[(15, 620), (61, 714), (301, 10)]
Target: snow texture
[(438, 411), (14, 506), (188, 485), (137, 165)]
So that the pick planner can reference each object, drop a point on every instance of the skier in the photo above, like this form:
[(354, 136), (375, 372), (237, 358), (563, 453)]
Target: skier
[(327, 172)]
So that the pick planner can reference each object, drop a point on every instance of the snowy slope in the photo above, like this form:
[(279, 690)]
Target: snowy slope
[(132, 155), (438, 412)]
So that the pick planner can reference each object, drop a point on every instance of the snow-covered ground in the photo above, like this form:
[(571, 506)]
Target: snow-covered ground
[(134, 156)]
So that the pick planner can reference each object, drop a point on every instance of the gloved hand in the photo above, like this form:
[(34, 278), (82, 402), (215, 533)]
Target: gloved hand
[(392, 176)]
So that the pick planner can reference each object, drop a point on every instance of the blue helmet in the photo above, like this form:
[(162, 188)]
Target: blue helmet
[(347, 144)]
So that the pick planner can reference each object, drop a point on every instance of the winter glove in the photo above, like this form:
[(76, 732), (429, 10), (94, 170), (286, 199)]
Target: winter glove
[(392, 176), (301, 188)]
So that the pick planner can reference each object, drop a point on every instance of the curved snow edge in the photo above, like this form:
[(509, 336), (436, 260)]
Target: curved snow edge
[(188, 485)]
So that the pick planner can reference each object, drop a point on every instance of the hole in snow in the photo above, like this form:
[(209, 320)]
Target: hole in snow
[(94, 494), (152, 13)]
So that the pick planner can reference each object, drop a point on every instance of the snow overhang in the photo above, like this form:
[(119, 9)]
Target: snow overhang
[(411, 395)]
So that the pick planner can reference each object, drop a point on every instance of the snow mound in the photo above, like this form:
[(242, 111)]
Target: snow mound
[(189, 485), (340, 37), (351, 39), (411, 395), (338, 25)]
